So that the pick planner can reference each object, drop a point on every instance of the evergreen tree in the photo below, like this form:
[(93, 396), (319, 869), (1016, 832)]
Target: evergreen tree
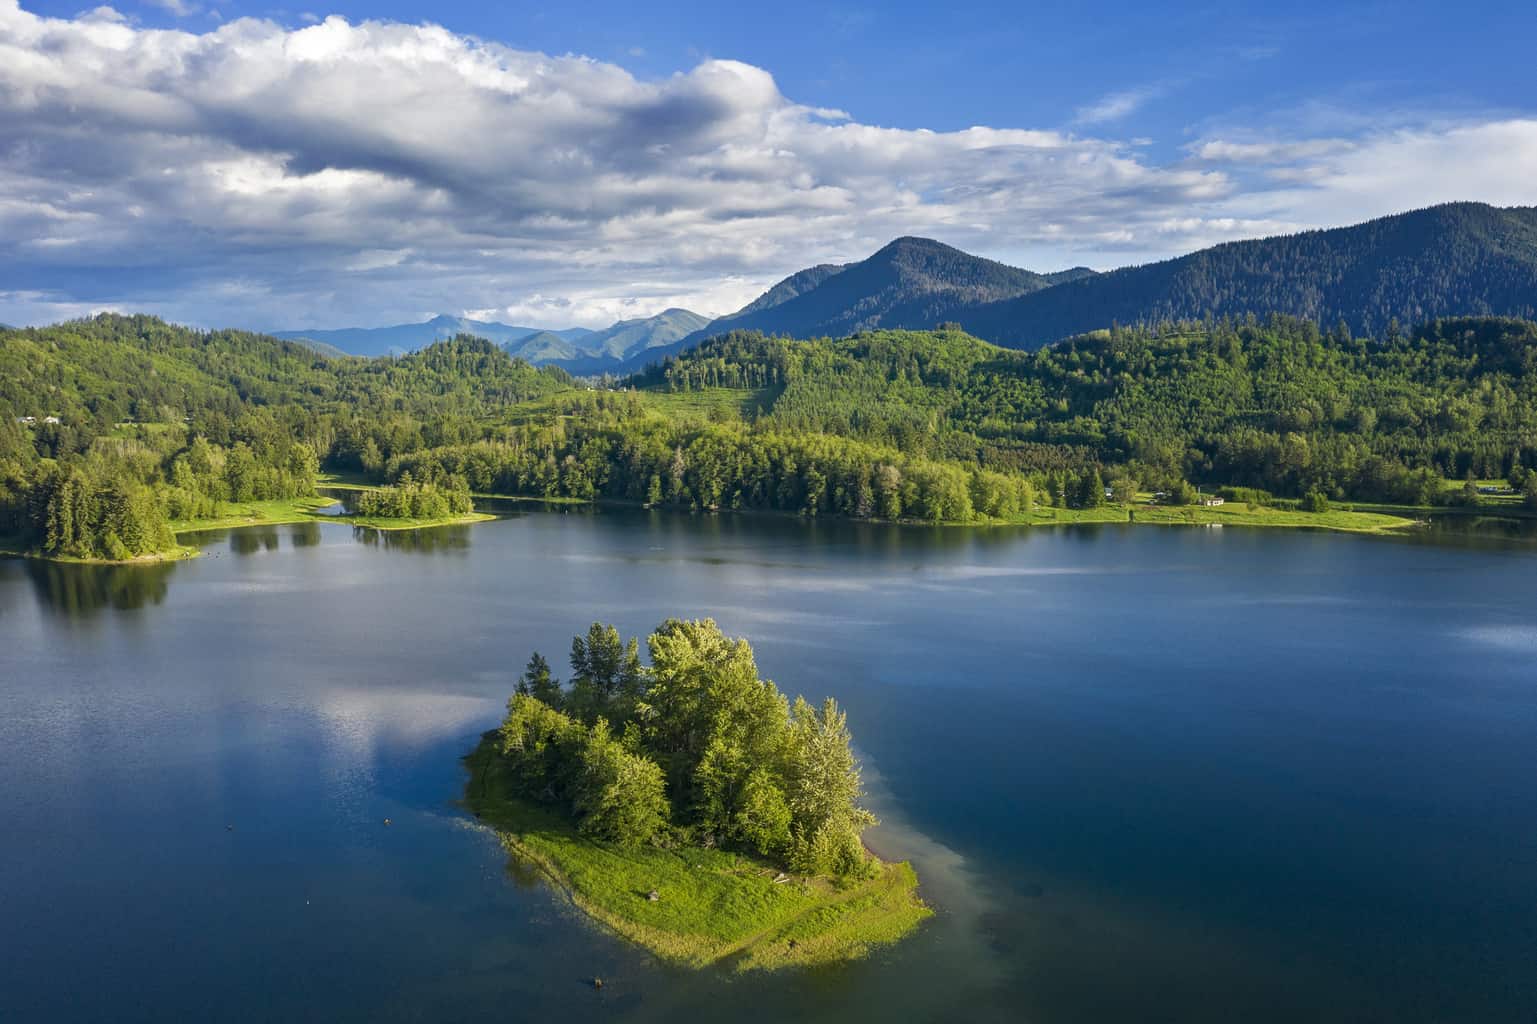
[(537, 682)]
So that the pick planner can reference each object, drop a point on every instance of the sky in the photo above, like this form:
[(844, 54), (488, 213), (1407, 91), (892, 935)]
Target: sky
[(223, 163)]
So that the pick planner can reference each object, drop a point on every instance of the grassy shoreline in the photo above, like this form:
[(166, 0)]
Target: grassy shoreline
[(715, 907), (1360, 520), (307, 510), (1234, 513), (276, 512)]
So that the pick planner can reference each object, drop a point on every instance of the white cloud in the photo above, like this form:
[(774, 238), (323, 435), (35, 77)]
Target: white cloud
[(1223, 150), (1336, 181), (361, 173), (1117, 105)]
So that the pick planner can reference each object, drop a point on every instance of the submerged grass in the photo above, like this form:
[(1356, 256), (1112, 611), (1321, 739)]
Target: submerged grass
[(714, 906)]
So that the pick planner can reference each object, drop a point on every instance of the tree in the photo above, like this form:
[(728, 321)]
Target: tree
[(1091, 489), (605, 675), (822, 787), (1315, 501), (1529, 492), (762, 818), (619, 796), (1182, 493), (712, 753), (537, 682), (1469, 494), (707, 716)]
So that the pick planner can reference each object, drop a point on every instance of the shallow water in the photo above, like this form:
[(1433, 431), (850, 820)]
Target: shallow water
[(1144, 774)]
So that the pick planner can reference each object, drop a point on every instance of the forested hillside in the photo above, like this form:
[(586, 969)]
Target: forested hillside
[(1462, 259), (111, 428), (1274, 404)]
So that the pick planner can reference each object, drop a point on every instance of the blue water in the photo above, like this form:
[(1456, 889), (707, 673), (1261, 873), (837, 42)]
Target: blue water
[(1145, 774)]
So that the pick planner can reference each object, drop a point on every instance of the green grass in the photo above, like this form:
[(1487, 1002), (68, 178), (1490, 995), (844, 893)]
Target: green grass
[(1234, 513), (716, 907), (304, 510), (384, 523), (258, 513)]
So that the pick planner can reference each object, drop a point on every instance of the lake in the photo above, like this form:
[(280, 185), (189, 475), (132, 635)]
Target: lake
[(1145, 774)]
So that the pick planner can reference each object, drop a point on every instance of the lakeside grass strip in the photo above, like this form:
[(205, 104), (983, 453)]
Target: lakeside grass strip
[(715, 907)]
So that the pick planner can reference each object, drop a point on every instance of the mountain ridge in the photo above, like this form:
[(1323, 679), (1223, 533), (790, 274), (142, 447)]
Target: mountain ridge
[(398, 339), (1454, 259)]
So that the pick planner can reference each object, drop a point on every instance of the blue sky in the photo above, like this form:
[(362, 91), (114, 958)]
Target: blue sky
[(287, 170)]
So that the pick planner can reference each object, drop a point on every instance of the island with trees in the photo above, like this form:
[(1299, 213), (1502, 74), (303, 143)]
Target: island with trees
[(689, 806)]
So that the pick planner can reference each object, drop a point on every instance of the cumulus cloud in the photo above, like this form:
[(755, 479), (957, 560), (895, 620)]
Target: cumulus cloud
[(363, 173)]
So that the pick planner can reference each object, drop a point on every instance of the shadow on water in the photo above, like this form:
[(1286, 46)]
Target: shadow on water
[(1474, 531), (431, 540), (80, 591), (251, 540), (304, 535)]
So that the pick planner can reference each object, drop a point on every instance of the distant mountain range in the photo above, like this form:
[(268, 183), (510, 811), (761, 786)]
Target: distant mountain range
[(626, 342), (1460, 259), (402, 338), (576, 349)]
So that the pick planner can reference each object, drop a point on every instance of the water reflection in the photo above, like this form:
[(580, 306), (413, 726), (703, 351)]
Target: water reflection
[(304, 535), (80, 591), (250, 540), (433, 540), (1476, 531)]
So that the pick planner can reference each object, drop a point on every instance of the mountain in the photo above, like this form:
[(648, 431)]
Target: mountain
[(401, 338), (329, 351), (1460, 259), (792, 286), (629, 341), (542, 347), (576, 348), (911, 282), (631, 337)]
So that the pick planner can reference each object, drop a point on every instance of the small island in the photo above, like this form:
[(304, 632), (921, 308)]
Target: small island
[(689, 807)]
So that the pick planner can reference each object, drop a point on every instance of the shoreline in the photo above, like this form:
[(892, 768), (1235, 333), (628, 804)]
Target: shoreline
[(1360, 519), (275, 512), (716, 908), (1375, 521)]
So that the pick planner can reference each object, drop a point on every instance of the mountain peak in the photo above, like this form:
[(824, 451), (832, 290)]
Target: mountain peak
[(908, 244)]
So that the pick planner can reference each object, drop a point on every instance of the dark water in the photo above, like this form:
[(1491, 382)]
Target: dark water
[(1145, 774)]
